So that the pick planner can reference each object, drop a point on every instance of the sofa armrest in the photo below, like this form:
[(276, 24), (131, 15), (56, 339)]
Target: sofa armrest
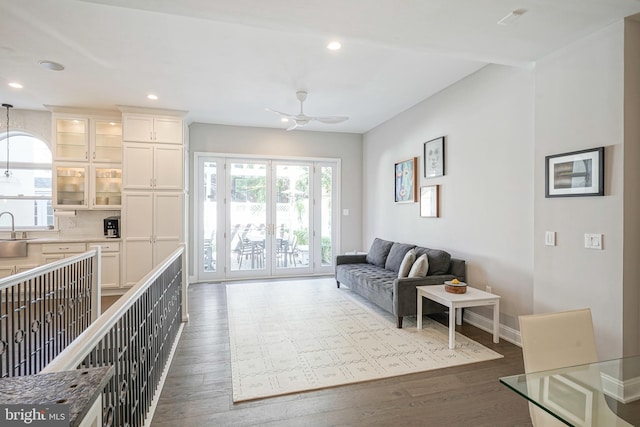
[(405, 293), (351, 259)]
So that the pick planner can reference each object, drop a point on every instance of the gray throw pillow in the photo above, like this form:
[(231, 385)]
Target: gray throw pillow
[(439, 260), (396, 256), (420, 267), (378, 252), (407, 263)]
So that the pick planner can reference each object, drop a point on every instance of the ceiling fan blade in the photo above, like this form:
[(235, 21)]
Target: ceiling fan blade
[(288, 116), (293, 126), (331, 119)]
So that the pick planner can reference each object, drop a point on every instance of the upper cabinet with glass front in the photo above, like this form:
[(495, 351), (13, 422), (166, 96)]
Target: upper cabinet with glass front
[(80, 138), (71, 138), (106, 145)]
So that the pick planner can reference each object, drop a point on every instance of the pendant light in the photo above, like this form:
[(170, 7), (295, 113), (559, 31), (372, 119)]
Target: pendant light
[(7, 172)]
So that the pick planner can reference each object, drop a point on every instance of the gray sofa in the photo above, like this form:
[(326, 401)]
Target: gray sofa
[(375, 276)]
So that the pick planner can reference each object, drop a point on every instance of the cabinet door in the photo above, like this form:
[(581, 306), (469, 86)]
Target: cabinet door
[(106, 186), (167, 167), (71, 186), (137, 168), (137, 128), (168, 130), (106, 145), (137, 222), (167, 224), (71, 138), (110, 273)]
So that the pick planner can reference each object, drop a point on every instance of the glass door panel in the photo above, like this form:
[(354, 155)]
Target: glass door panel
[(247, 242), (326, 216), (210, 216), (293, 211)]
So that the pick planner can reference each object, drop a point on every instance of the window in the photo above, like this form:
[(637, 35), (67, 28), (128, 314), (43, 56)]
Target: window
[(26, 191)]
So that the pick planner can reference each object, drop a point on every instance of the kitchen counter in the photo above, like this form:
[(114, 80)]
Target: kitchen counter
[(79, 389)]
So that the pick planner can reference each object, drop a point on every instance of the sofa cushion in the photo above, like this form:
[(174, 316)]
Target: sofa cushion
[(420, 267), (378, 252), (407, 262), (438, 260), (396, 256)]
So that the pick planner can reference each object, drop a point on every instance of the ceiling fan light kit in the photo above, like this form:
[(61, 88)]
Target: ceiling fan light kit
[(301, 119)]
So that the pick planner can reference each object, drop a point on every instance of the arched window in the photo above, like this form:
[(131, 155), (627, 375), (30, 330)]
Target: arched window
[(25, 181)]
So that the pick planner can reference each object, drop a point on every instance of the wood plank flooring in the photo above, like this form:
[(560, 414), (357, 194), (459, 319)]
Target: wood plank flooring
[(197, 391)]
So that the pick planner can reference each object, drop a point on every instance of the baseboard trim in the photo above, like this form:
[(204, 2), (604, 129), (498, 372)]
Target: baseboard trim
[(506, 333)]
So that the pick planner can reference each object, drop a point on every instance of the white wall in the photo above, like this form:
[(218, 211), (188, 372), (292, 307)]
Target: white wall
[(214, 138), (578, 105), (486, 204)]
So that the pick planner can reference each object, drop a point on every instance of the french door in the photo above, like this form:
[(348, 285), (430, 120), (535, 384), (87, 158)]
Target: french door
[(259, 217)]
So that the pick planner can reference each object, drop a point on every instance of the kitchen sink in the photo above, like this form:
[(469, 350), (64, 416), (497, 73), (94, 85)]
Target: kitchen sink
[(13, 248)]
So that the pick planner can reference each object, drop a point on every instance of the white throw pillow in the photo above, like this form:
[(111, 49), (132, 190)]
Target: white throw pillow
[(407, 262), (420, 267)]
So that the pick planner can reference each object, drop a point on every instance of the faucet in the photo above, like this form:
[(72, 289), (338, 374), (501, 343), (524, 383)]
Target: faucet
[(13, 224)]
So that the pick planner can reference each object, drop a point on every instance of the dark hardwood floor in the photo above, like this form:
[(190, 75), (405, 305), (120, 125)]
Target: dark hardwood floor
[(197, 391)]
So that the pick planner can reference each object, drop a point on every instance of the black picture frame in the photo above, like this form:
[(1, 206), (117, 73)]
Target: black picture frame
[(575, 174), (434, 158)]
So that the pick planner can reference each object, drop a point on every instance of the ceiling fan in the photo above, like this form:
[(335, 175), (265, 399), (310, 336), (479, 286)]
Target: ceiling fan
[(302, 119)]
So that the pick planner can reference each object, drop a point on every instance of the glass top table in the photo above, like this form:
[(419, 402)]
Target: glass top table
[(598, 394)]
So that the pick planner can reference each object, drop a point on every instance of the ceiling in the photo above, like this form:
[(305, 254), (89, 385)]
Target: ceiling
[(225, 61)]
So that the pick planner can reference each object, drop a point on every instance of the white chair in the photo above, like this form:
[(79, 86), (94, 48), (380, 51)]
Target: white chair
[(556, 340)]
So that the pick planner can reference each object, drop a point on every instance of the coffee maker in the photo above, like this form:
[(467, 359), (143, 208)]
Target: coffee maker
[(112, 226)]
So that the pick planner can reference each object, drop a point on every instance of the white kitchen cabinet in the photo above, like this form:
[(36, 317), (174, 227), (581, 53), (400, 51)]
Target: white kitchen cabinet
[(71, 185), (152, 167), (148, 128), (84, 138), (152, 229), (110, 260), (71, 137), (84, 148), (106, 141), (106, 186)]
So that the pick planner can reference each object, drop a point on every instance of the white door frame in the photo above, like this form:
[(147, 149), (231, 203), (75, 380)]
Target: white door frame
[(223, 257)]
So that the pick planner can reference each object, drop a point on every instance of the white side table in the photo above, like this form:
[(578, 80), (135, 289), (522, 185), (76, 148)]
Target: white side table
[(472, 298)]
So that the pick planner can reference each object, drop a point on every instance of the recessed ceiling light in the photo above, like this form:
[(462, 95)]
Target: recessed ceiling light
[(50, 65), (284, 119), (152, 96), (334, 45), (16, 85), (512, 17)]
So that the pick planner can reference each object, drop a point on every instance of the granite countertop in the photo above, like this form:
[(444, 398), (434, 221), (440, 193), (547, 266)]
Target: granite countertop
[(79, 389)]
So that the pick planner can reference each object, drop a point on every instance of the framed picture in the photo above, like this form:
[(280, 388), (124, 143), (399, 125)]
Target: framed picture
[(579, 173), (434, 158), (406, 174), (430, 201)]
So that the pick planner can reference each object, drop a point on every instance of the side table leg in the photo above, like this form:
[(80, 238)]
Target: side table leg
[(452, 327), (419, 311), (496, 322)]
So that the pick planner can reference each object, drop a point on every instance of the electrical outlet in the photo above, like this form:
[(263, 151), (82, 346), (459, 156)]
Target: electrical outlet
[(593, 241), (487, 288)]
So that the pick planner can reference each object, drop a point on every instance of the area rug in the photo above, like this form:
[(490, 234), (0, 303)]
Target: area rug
[(292, 336)]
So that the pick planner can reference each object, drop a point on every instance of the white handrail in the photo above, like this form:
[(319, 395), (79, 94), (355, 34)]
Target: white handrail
[(75, 353), (13, 280)]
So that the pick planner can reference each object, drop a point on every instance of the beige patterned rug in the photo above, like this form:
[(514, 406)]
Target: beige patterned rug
[(298, 335)]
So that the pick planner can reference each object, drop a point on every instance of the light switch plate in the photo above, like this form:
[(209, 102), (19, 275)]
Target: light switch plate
[(550, 238), (593, 241)]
